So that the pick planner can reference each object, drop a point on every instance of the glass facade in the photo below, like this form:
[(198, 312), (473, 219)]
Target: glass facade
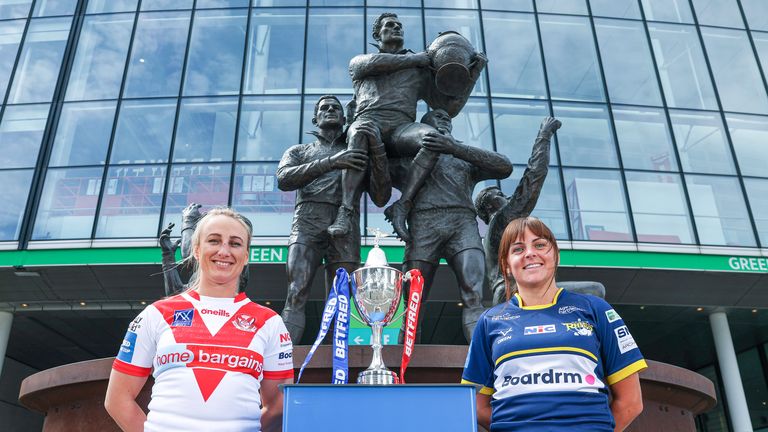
[(116, 114)]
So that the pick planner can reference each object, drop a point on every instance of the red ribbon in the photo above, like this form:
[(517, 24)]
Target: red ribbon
[(411, 319)]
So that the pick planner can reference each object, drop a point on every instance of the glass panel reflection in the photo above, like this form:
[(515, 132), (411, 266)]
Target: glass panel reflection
[(761, 46), (275, 51), (659, 208), (735, 70), (157, 54), (206, 130), (585, 139), (723, 13), (719, 210), (757, 194), (10, 38), (334, 36), (578, 7), (516, 69), (130, 205), (630, 78), (267, 3), (459, 4), (45, 8), (144, 130), (516, 127), (473, 124), (215, 61), (549, 207), (268, 126), (100, 59), (110, 6), (753, 379), (256, 195), (507, 5), (336, 2), (596, 205), (40, 60), (68, 204), (756, 12), (10, 9), (701, 142), (683, 71), (82, 135), (571, 59), (205, 184), (412, 25), (211, 4), (644, 139), (15, 191), (667, 10), (749, 135), (615, 8), (21, 133), (165, 4)]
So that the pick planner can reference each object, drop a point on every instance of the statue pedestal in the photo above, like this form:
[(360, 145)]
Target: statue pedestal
[(72, 396)]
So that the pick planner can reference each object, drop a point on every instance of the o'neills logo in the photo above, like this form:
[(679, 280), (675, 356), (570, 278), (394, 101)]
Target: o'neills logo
[(410, 323), (548, 377), (218, 312)]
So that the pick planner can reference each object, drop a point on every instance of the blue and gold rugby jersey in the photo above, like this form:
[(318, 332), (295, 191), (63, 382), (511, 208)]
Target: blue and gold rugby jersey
[(548, 367)]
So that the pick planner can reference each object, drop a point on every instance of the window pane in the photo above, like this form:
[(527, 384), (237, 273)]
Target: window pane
[(268, 126), (569, 53), (761, 45), (206, 130), (668, 10), (644, 139), (516, 127), (615, 8), (10, 38), (68, 204), (516, 69), (757, 194), (256, 196), (597, 206), (54, 8), (275, 51), (390, 3), (157, 55), (412, 24), (130, 206), (659, 208), (210, 4), (21, 133), (467, 23), (335, 2), (719, 209), (109, 6), (165, 4), (630, 78), (585, 138), (334, 36), (755, 389), (473, 124), (749, 135), (701, 142), (735, 69), (683, 71), (549, 207), (756, 12), (82, 135), (15, 191), (205, 184), (100, 60), (258, 3), (144, 130), (464, 4), (40, 60), (508, 5), (723, 13), (10, 9), (215, 59), (562, 6)]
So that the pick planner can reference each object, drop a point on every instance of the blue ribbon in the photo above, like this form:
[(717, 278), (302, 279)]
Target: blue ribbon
[(338, 299)]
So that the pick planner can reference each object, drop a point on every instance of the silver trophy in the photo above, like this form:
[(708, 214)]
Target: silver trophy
[(377, 290)]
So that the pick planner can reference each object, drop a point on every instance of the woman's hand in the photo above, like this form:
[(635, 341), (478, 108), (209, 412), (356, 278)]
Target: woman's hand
[(121, 401)]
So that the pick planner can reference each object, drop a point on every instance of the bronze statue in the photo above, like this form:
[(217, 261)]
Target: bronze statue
[(314, 172), (443, 221)]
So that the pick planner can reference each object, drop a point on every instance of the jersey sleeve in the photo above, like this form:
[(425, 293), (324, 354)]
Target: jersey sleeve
[(137, 351), (478, 369), (618, 351), (278, 351)]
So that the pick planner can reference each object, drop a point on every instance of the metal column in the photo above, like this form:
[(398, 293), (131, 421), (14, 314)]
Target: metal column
[(729, 369)]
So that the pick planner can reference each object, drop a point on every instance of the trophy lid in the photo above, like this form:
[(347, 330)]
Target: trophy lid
[(376, 256)]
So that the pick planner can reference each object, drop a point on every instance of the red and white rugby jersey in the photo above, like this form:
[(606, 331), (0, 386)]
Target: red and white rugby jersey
[(209, 356)]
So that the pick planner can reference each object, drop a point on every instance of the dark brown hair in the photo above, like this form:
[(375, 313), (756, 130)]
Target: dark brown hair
[(514, 231)]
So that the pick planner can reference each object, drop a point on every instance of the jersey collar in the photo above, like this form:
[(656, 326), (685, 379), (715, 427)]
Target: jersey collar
[(544, 306), (194, 294)]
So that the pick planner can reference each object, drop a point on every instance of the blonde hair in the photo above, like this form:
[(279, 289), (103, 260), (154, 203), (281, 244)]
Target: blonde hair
[(194, 280), (514, 231)]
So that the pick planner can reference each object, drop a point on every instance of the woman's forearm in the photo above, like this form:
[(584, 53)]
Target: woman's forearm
[(127, 414), (624, 412)]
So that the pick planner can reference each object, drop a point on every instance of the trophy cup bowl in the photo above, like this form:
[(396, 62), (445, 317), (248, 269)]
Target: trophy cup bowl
[(377, 291), (451, 56)]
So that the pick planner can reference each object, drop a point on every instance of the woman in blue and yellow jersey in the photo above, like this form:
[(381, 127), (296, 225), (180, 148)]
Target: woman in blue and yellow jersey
[(549, 359)]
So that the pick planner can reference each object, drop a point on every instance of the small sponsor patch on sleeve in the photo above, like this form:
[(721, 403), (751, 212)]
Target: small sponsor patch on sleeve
[(126, 348), (625, 339), (612, 315)]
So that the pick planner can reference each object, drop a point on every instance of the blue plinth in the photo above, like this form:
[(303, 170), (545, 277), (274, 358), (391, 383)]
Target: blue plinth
[(367, 408)]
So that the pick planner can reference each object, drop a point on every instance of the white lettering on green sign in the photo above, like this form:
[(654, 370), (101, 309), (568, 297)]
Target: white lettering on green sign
[(748, 264), (267, 254)]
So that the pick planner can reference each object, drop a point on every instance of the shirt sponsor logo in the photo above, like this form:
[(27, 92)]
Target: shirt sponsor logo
[(183, 318), (625, 339), (505, 335), (285, 337), (217, 312), (229, 359), (245, 323), (612, 315), (579, 328), (135, 324), (126, 348), (285, 355), (564, 310), (548, 377), (505, 317), (541, 329)]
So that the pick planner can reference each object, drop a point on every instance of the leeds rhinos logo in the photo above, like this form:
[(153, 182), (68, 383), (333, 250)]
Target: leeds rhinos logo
[(245, 323), (579, 328)]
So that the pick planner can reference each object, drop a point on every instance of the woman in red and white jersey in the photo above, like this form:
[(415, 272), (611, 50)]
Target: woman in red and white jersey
[(217, 358)]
